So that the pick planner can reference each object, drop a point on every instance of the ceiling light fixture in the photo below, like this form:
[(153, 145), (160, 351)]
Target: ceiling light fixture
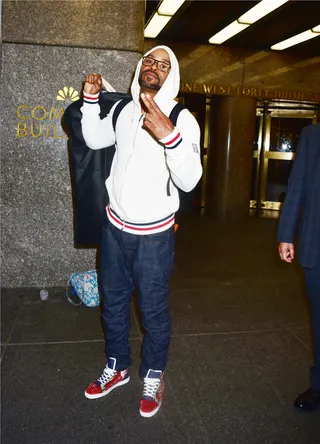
[(254, 14), (161, 17), (296, 39), (170, 7), (228, 32), (262, 9), (155, 25)]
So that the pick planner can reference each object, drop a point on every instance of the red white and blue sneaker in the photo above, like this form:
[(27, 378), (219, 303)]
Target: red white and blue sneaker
[(153, 386), (109, 380)]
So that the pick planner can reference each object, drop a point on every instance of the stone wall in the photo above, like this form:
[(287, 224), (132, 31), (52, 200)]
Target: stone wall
[(47, 49)]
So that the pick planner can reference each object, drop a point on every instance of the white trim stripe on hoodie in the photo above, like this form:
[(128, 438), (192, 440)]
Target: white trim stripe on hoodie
[(133, 228), (90, 98), (142, 166)]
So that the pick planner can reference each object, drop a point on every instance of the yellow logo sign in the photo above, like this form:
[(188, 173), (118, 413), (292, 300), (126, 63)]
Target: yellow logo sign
[(39, 121), (66, 93)]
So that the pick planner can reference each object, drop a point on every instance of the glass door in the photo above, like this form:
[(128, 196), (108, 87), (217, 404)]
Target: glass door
[(277, 135)]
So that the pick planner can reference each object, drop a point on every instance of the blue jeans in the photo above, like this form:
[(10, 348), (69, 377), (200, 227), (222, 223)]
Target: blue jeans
[(144, 262), (312, 277)]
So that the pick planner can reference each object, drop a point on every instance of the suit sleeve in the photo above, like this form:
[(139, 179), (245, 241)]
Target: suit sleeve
[(295, 195), (97, 133), (182, 148)]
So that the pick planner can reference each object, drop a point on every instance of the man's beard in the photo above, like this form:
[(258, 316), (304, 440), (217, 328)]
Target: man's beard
[(146, 85)]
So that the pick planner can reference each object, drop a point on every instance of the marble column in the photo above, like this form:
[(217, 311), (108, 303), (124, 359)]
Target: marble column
[(229, 168), (48, 47)]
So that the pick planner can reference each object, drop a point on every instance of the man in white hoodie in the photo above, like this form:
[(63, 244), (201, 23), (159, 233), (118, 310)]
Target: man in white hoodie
[(153, 159)]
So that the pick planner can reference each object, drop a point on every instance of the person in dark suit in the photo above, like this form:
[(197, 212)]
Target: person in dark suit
[(303, 199)]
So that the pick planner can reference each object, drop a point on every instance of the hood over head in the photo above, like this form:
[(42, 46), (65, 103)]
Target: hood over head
[(169, 90)]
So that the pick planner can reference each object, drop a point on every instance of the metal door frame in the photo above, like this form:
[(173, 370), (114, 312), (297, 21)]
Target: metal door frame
[(263, 153)]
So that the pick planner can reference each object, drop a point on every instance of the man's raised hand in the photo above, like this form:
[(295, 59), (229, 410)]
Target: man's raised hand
[(157, 123), (93, 84)]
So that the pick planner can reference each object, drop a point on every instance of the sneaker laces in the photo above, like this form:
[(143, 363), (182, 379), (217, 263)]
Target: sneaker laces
[(107, 375), (150, 386)]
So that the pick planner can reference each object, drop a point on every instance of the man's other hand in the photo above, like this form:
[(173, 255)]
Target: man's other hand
[(93, 84), (157, 123), (286, 251)]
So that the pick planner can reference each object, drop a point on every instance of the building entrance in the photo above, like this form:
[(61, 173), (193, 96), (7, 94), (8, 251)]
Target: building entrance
[(278, 128)]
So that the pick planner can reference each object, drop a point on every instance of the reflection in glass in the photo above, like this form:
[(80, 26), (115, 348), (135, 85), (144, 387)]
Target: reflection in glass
[(285, 133), (277, 179)]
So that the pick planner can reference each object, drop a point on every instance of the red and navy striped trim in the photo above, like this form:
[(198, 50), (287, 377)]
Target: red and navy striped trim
[(143, 227), (174, 142), (92, 99)]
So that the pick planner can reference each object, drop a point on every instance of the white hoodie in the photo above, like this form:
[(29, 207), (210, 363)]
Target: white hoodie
[(142, 166)]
